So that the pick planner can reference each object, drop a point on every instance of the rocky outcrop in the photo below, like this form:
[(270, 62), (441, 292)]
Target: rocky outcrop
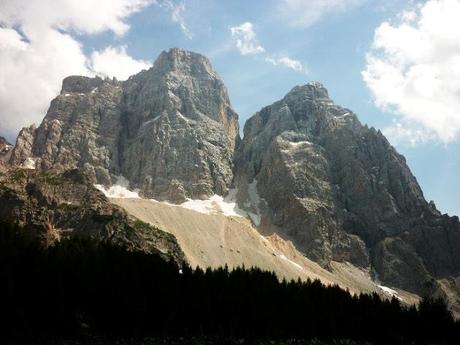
[(341, 192), (5, 150), (56, 206), (22, 151), (169, 130)]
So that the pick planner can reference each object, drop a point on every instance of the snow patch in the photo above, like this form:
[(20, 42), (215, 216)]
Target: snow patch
[(216, 204), (66, 94), (298, 143), (255, 201), (150, 121), (343, 116), (291, 262), (182, 116), (388, 291), (264, 239), (119, 189), (30, 163), (255, 217)]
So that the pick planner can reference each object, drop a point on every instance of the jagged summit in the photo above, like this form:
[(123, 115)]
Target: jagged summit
[(311, 90), (187, 83), (305, 109), (183, 61), (169, 130), (341, 192)]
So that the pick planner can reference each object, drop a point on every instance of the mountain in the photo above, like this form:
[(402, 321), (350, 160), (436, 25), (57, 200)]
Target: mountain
[(170, 130), (307, 174), (341, 192)]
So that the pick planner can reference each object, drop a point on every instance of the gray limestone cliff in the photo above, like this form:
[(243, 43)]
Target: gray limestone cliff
[(341, 192), (169, 130)]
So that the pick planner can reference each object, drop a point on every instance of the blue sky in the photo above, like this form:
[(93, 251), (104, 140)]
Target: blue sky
[(327, 41)]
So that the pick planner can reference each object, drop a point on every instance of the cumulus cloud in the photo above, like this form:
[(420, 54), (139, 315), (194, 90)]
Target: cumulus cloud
[(305, 13), (286, 62), (413, 70), (31, 74), (84, 16), (115, 62), (246, 40), (38, 49)]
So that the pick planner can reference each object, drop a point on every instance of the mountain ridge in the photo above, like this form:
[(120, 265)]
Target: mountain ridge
[(116, 123), (306, 168)]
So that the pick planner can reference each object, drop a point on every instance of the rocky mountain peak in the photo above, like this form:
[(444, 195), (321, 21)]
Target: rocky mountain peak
[(341, 192), (313, 90), (169, 130), (184, 62), (185, 84), (180, 116)]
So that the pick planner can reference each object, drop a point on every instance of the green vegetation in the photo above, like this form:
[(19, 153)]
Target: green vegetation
[(141, 226), (52, 179), (4, 187), (103, 218), (17, 175), (69, 207)]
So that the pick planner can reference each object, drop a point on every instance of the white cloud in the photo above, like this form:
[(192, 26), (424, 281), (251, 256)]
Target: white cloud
[(31, 74), (304, 13), (403, 134), (86, 16), (115, 62), (286, 62), (177, 17), (177, 11), (246, 40), (413, 70), (247, 43), (37, 50)]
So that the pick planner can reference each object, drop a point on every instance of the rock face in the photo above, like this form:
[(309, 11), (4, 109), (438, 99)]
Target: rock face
[(306, 170), (51, 207), (5, 150), (180, 131), (341, 192), (22, 151), (169, 130)]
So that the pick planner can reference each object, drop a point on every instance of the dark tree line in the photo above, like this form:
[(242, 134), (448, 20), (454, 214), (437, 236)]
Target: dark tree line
[(80, 287)]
